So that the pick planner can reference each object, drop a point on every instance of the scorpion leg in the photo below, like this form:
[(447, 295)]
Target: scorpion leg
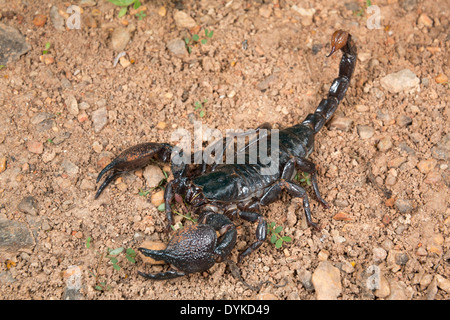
[(133, 158), (309, 167), (296, 191), (261, 232), (273, 193)]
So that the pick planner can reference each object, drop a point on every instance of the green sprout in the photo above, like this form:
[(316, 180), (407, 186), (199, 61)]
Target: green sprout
[(88, 242), (140, 15), (143, 192), (112, 256), (195, 39), (361, 11), (124, 4), (275, 237), (305, 179), (199, 106), (47, 47)]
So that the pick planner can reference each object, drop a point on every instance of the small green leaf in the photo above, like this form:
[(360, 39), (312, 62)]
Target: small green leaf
[(286, 239), (116, 251), (116, 266), (88, 242), (209, 35), (122, 12), (278, 229), (271, 225), (206, 32), (162, 207), (131, 259), (273, 238), (137, 4), (204, 41), (278, 244), (131, 252), (195, 37), (113, 260), (99, 288), (186, 40), (202, 114), (122, 3)]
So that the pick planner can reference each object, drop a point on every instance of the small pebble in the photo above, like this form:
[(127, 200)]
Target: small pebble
[(425, 166), (384, 144), (56, 19), (162, 11), (161, 125), (177, 47), (404, 206), (441, 78), (443, 283), (97, 147), (153, 176), (327, 281), (425, 20), (72, 105), (400, 81), (383, 289), (342, 216), (120, 38), (183, 20), (35, 147), (266, 296), (365, 132), (401, 258), (151, 245), (28, 205), (396, 162), (124, 62), (2, 164), (40, 20), (403, 120), (305, 278), (158, 198), (378, 254), (265, 11), (69, 167), (341, 123), (99, 119), (361, 108)]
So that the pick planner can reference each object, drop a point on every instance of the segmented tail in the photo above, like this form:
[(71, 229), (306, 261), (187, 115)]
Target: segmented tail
[(340, 40)]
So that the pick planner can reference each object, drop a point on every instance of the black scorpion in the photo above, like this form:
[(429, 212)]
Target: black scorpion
[(225, 191)]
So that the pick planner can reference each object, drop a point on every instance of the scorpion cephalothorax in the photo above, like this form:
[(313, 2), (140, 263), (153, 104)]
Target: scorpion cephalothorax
[(224, 191)]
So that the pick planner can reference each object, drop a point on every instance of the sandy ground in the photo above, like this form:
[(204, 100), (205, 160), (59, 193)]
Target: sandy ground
[(382, 161)]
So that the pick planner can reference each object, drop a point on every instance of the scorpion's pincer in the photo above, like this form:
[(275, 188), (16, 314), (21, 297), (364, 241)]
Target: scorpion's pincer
[(195, 248)]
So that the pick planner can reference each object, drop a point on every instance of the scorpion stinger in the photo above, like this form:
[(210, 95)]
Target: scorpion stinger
[(233, 190)]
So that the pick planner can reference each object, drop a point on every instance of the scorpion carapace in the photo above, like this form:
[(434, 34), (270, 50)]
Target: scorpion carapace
[(236, 190)]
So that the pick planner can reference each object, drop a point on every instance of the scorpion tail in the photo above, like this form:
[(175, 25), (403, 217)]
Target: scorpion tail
[(340, 40)]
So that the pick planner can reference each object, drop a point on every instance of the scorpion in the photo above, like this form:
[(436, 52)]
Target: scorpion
[(227, 191)]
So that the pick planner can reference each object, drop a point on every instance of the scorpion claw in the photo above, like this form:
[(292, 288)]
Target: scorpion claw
[(133, 158), (195, 248), (162, 275)]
